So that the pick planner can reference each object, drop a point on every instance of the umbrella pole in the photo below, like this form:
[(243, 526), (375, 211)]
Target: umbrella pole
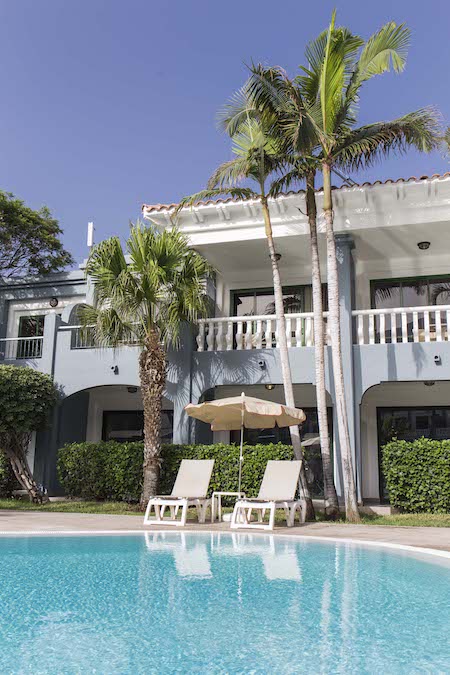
[(241, 456)]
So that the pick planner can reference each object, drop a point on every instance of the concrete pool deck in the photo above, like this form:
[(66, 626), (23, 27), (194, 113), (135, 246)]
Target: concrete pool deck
[(37, 522)]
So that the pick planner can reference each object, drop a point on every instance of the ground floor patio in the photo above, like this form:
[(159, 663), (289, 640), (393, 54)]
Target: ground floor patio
[(29, 522)]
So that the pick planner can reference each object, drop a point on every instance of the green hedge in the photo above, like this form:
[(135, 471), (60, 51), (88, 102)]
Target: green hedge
[(418, 475), (110, 470)]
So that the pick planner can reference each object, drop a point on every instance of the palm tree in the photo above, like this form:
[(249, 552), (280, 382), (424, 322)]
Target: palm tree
[(258, 157), (304, 170), (318, 110), (145, 299)]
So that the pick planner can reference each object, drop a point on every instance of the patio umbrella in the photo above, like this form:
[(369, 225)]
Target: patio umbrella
[(239, 412)]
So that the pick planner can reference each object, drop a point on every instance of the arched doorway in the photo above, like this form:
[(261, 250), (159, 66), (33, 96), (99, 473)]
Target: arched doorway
[(108, 413), (405, 410)]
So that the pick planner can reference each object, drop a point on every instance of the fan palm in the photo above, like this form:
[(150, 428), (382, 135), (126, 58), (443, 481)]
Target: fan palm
[(317, 113), (145, 298), (258, 157)]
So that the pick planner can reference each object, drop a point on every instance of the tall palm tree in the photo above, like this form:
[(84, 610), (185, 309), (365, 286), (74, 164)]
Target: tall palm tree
[(257, 157), (145, 298), (320, 107), (303, 170)]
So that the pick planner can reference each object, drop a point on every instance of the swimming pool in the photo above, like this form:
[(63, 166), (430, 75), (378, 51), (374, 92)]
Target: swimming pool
[(218, 603)]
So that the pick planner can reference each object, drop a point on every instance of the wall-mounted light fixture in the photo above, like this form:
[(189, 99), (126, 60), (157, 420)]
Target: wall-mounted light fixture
[(132, 390), (423, 245), (429, 383), (115, 369), (53, 302), (269, 387)]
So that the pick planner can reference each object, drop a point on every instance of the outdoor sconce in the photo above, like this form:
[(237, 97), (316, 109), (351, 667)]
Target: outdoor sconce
[(423, 245), (437, 360), (269, 387), (115, 369)]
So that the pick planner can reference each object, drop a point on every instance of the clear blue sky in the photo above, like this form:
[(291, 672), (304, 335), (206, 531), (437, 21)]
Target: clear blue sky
[(110, 103)]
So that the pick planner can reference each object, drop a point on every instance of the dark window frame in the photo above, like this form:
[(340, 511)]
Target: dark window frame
[(406, 280), (127, 412), (287, 290)]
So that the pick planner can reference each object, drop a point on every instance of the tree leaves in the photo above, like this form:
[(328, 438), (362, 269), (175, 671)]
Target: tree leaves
[(29, 240)]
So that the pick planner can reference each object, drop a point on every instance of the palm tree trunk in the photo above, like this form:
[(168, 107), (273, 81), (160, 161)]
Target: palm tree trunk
[(284, 357), (351, 503), (329, 489), (152, 373), (14, 449)]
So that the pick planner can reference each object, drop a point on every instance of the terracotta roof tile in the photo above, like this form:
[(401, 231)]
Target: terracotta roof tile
[(156, 208)]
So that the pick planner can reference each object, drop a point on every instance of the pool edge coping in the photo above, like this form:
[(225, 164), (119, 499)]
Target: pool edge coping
[(440, 553)]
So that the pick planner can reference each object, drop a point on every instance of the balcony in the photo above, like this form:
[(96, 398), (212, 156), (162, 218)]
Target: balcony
[(402, 325), (371, 326), (254, 332), (21, 348)]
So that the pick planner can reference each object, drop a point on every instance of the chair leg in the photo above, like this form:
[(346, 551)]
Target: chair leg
[(203, 509), (147, 512), (184, 514), (272, 516)]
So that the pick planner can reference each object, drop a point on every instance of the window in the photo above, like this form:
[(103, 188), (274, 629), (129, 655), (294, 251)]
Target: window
[(30, 328), (413, 292), (310, 435), (408, 424), (261, 301), (410, 292), (128, 425)]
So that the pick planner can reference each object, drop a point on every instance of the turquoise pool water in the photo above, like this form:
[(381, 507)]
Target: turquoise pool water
[(201, 603)]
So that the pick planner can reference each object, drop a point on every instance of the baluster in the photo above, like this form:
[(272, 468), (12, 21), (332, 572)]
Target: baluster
[(327, 331), (426, 324), (229, 337), (404, 327), (277, 334), (308, 331), (288, 332), (239, 335), (393, 327), (382, 329), (258, 334), (415, 326), (269, 337), (371, 329), (201, 337), (220, 338), (438, 323), (210, 336), (298, 332), (249, 335), (360, 329)]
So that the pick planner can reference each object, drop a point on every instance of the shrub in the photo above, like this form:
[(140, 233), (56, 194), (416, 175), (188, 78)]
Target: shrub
[(418, 475), (111, 470), (26, 399)]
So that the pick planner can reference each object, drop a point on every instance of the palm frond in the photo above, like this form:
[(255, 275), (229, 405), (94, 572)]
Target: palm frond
[(161, 286), (235, 192), (364, 146)]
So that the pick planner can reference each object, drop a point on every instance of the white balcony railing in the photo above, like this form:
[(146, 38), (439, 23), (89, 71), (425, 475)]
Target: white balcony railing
[(12, 349), (402, 324), (254, 332)]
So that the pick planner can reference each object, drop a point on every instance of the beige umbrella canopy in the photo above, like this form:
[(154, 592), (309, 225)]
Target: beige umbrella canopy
[(239, 412)]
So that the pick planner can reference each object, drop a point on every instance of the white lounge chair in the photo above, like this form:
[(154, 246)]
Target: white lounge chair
[(190, 489), (277, 491)]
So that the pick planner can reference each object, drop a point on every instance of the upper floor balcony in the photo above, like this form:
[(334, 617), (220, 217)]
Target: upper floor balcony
[(370, 326), (398, 325)]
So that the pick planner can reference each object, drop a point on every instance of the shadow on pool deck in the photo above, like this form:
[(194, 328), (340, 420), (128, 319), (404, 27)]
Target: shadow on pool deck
[(38, 522)]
